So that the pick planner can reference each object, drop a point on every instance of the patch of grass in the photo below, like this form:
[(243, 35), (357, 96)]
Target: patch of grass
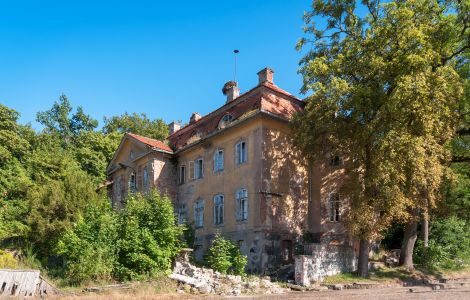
[(343, 278)]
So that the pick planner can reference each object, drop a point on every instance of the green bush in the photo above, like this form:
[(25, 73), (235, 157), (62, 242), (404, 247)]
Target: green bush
[(449, 245), (148, 237), (135, 243), (7, 260), (89, 248), (225, 257)]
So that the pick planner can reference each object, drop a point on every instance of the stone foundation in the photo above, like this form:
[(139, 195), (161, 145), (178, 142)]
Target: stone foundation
[(325, 260)]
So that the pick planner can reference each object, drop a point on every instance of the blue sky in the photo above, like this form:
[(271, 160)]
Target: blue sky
[(165, 58)]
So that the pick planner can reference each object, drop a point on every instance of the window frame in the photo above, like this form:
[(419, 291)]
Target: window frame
[(334, 208), (182, 175), (199, 213), (132, 188), (145, 178), (244, 153), (241, 201), (219, 209), (201, 173), (217, 163)]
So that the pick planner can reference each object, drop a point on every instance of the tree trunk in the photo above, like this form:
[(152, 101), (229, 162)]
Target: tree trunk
[(408, 244), (425, 229), (363, 263)]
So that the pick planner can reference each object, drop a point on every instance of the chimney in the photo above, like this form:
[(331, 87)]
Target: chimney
[(174, 126), (265, 75), (231, 90), (194, 117)]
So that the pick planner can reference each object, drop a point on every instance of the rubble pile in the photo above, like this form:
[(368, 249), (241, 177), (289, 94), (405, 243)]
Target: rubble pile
[(202, 280)]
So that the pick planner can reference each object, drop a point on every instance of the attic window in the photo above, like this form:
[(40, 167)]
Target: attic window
[(131, 155), (225, 121)]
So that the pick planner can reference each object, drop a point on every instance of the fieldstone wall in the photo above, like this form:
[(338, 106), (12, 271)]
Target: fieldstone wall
[(325, 260)]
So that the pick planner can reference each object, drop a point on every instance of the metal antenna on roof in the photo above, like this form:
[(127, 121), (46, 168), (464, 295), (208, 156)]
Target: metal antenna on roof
[(235, 69)]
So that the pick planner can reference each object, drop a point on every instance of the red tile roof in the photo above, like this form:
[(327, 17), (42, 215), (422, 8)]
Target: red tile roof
[(151, 142), (265, 97)]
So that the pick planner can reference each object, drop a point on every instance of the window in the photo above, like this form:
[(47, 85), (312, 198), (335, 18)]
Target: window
[(218, 209), (132, 183), (131, 154), (225, 121), (242, 204), (198, 168), (218, 160), (240, 153), (334, 207), (335, 160), (199, 213), (182, 214), (182, 175), (117, 188), (286, 250), (145, 176)]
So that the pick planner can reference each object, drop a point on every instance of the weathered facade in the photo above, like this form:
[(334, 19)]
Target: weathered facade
[(235, 171)]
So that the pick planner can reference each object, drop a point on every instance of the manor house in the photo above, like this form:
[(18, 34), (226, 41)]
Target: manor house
[(235, 171)]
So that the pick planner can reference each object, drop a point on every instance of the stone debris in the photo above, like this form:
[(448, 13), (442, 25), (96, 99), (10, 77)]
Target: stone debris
[(205, 281)]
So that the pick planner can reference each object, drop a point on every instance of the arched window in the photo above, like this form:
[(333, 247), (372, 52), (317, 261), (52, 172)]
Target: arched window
[(225, 121), (242, 204), (219, 209)]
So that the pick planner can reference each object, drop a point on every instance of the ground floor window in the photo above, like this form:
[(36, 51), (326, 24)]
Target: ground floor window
[(218, 209), (199, 213)]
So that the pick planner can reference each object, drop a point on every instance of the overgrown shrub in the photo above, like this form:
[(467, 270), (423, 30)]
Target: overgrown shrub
[(449, 245), (148, 237), (7, 260), (135, 243), (225, 257), (89, 248)]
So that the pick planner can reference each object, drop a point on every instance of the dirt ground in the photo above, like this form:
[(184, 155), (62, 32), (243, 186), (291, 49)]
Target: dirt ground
[(396, 293), (369, 294)]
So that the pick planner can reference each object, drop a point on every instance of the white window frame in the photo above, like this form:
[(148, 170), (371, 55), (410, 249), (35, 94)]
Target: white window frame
[(199, 213), (199, 172), (334, 207), (241, 197), (219, 160), (219, 209), (241, 152)]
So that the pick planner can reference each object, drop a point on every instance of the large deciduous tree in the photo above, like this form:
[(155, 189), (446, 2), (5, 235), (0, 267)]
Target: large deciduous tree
[(138, 124), (384, 93)]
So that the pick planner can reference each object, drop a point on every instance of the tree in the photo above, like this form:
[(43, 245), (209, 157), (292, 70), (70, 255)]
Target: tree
[(89, 247), (384, 94), (225, 257), (58, 120), (14, 179), (138, 124), (148, 236)]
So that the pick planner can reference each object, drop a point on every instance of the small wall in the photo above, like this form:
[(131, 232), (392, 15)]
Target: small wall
[(325, 260)]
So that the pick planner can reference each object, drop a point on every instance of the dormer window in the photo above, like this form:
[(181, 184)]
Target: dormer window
[(225, 121)]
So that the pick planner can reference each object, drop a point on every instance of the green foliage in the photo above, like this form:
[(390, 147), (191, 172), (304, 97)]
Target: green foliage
[(7, 260), (89, 247), (55, 207), (138, 124), (385, 93), (58, 120), (449, 245), (225, 257), (148, 236)]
